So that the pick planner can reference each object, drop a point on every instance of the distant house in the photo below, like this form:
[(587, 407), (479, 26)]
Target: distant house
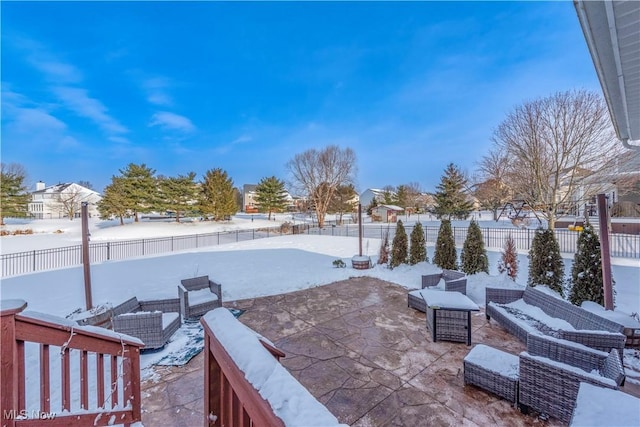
[(249, 204), (62, 201), (374, 193), (386, 213)]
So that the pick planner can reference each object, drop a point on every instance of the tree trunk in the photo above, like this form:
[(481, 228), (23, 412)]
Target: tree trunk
[(121, 220)]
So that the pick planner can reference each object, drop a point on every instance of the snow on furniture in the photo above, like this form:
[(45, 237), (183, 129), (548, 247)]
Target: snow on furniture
[(453, 281), (631, 324), (448, 315), (531, 310), (198, 295), (154, 322), (551, 387), (594, 408), (246, 385), (493, 370)]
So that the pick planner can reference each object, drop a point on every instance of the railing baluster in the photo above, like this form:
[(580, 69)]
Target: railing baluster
[(114, 381), (45, 379), (100, 379), (65, 375), (84, 379), (21, 377)]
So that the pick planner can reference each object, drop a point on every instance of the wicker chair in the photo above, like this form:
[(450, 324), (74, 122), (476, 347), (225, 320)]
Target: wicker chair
[(453, 281), (198, 295), (153, 322)]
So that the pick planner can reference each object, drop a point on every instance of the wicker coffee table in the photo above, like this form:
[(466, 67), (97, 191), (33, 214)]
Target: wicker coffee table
[(448, 315)]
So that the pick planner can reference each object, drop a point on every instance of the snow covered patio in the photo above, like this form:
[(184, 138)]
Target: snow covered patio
[(357, 347)]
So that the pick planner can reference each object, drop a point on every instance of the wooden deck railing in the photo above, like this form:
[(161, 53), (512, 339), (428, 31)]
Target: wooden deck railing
[(229, 399), (54, 373)]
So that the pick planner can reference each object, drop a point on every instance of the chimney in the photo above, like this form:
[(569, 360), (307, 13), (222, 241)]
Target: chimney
[(40, 186)]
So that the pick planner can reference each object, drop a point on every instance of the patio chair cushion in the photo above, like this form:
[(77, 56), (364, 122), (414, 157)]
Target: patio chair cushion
[(201, 296)]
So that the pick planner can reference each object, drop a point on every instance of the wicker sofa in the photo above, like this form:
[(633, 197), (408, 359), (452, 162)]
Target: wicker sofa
[(550, 386), (153, 322), (198, 295), (583, 327), (453, 280)]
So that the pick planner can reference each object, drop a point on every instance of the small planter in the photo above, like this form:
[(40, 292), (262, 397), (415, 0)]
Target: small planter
[(361, 262)]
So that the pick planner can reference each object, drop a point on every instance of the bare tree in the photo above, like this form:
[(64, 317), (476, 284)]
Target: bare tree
[(70, 200), (491, 188), (551, 144), (320, 173)]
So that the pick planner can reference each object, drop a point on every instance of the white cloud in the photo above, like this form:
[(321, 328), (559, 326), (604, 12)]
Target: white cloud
[(171, 121), (156, 91), (78, 101)]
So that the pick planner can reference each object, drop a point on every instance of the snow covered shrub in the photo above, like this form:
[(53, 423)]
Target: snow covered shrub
[(586, 283), (399, 246), (383, 256), (545, 263), (418, 249), (445, 255), (509, 259), (474, 256)]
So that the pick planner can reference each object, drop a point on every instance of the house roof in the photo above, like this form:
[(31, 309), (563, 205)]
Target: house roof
[(612, 32), (390, 207), (59, 188)]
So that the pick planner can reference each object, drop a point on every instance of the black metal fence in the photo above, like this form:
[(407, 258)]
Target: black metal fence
[(622, 245)]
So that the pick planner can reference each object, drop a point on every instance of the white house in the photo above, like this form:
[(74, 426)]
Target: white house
[(62, 201), (374, 193)]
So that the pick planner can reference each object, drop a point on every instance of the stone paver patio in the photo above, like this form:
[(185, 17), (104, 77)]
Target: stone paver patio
[(358, 348)]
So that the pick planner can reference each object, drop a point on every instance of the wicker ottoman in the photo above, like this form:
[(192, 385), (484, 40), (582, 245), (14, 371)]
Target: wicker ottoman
[(415, 301), (493, 370)]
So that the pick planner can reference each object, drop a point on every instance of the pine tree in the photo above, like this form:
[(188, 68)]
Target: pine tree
[(399, 246), (13, 193), (114, 200), (141, 189), (509, 260), (178, 194), (586, 273), (217, 195), (450, 199), (474, 256), (418, 249), (271, 195), (545, 263), (383, 257), (445, 255)]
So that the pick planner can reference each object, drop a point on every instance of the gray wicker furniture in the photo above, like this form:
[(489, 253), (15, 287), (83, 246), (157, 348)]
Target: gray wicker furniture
[(198, 295), (453, 281), (551, 387), (588, 328), (153, 322), (448, 315), (493, 370)]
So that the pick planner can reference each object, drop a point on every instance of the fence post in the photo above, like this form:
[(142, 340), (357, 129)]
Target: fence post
[(108, 251), (171, 243), (9, 355), (528, 239), (34, 260), (237, 235), (196, 240)]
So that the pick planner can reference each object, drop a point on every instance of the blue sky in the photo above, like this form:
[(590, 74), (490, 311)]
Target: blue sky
[(88, 87)]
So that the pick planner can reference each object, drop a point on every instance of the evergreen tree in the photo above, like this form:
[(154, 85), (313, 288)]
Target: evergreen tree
[(114, 200), (445, 255), (399, 246), (140, 189), (418, 249), (271, 195), (545, 263), (586, 272), (509, 260), (179, 193), (343, 201), (13, 192), (383, 257), (372, 206), (474, 256), (217, 196), (450, 199)]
